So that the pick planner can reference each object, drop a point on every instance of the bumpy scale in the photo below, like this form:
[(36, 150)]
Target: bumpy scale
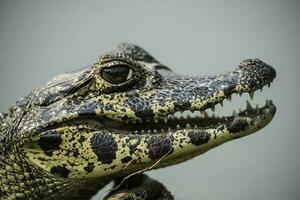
[(119, 116)]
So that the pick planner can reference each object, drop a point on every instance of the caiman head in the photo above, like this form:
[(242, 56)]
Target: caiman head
[(127, 112)]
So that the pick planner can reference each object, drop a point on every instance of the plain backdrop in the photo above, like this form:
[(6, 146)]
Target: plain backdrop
[(40, 39)]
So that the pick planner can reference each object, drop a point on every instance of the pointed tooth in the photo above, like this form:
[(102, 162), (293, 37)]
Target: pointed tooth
[(149, 131), (178, 126), (169, 129), (155, 131), (267, 102), (213, 108), (136, 132), (155, 120), (143, 131), (234, 113), (195, 126), (248, 105), (205, 114), (162, 130), (229, 98), (188, 125), (251, 94), (166, 119)]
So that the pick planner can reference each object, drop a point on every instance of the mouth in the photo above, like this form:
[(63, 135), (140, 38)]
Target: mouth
[(251, 116)]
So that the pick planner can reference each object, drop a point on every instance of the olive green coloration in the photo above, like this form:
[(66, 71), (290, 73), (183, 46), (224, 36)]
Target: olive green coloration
[(125, 114)]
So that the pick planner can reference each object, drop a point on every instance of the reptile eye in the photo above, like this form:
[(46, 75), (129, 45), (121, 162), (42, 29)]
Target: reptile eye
[(116, 74)]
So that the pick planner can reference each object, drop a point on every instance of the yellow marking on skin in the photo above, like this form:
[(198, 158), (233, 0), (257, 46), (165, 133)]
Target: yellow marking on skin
[(183, 149), (169, 106), (118, 108), (199, 103)]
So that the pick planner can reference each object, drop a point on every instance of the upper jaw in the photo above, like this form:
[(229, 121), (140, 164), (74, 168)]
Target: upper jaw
[(180, 93), (191, 94)]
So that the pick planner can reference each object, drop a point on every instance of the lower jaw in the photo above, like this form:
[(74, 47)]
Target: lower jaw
[(253, 116)]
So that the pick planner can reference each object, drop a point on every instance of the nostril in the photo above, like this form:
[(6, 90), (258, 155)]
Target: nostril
[(251, 63)]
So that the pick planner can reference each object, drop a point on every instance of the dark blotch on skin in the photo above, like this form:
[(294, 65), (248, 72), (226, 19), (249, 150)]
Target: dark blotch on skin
[(49, 143), (199, 137), (237, 126), (105, 147), (89, 168), (61, 171), (126, 159), (159, 146)]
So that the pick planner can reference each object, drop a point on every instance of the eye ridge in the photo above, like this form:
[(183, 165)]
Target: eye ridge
[(117, 74)]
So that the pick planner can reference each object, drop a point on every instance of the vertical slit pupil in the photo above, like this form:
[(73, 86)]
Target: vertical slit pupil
[(116, 74)]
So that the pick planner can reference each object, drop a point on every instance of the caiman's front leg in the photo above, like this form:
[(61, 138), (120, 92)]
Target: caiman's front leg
[(139, 187)]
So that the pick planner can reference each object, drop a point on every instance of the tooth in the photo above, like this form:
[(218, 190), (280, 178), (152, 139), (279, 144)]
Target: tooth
[(213, 108), (156, 120), (202, 112), (213, 116), (205, 114), (142, 131), (166, 119), (162, 130), (240, 93), (195, 126), (178, 126), (229, 97), (149, 131), (155, 131), (169, 129), (221, 103), (251, 94), (188, 125), (267, 102), (248, 105), (234, 113), (136, 132)]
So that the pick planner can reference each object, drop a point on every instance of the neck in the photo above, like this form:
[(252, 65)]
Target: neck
[(19, 179)]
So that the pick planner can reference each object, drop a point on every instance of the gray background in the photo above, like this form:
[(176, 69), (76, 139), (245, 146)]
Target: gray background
[(40, 39)]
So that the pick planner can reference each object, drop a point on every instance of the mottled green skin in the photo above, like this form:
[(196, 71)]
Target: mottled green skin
[(69, 138)]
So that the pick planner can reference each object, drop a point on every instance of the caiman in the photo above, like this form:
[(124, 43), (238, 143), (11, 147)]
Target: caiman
[(123, 115)]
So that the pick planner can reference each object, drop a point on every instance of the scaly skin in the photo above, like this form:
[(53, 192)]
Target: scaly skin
[(69, 138)]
